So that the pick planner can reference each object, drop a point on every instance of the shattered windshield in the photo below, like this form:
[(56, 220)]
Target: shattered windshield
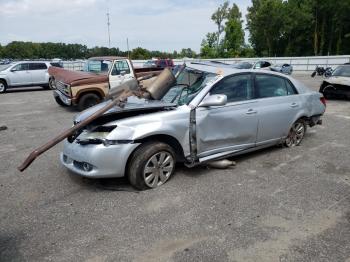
[(342, 71), (189, 83), (98, 66)]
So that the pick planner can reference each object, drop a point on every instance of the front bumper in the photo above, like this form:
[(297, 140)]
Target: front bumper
[(65, 99), (104, 161)]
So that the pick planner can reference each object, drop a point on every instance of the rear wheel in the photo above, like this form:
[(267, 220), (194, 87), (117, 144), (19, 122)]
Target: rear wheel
[(151, 165), (88, 100), (3, 86), (296, 134)]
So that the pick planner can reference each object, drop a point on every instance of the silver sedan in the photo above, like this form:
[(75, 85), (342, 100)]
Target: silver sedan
[(211, 113)]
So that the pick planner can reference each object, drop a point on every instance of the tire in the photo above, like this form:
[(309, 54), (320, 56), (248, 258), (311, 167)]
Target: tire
[(3, 86), (296, 134), (51, 83), (151, 165), (325, 92), (88, 100), (313, 74), (59, 101)]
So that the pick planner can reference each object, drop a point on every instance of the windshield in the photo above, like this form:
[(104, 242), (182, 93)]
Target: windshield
[(342, 71), (4, 67), (188, 84), (98, 66), (242, 65)]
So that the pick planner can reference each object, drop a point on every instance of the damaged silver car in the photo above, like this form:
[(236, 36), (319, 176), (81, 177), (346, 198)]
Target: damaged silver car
[(210, 113)]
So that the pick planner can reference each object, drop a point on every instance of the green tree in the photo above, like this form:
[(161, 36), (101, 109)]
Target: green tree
[(140, 53), (219, 16), (208, 46), (234, 34)]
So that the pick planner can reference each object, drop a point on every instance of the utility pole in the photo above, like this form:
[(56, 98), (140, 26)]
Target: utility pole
[(109, 33), (127, 44)]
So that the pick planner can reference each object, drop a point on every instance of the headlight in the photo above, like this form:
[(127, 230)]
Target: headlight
[(92, 135), (67, 89)]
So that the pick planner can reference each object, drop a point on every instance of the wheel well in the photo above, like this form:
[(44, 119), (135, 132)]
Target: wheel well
[(89, 92), (171, 141), (2, 79)]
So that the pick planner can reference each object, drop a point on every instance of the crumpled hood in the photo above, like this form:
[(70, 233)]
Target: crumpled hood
[(338, 80), (75, 78), (133, 104)]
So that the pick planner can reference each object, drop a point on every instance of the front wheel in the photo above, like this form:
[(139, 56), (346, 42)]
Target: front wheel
[(88, 100), (296, 134), (313, 74), (52, 83), (3, 86), (151, 165), (59, 101)]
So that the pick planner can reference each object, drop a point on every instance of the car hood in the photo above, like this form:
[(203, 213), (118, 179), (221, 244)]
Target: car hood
[(132, 106), (339, 80), (75, 78)]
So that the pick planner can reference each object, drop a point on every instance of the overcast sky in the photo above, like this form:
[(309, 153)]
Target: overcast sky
[(165, 25)]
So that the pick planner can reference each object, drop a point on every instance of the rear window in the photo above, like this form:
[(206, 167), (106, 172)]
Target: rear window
[(272, 86), (37, 66)]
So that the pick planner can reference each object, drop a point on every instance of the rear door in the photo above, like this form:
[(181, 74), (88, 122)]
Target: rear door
[(38, 72), (278, 107), (20, 75), (232, 126), (120, 72)]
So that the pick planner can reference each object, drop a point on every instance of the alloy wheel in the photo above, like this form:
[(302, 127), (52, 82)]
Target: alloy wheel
[(158, 169), (296, 134)]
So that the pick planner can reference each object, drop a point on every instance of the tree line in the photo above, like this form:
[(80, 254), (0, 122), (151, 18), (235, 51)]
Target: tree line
[(281, 28), (30, 50), (276, 28)]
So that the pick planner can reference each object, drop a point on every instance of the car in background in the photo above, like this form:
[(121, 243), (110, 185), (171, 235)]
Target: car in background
[(25, 74), (260, 64), (159, 63), (282, 68), (209, 113), (338, 84)]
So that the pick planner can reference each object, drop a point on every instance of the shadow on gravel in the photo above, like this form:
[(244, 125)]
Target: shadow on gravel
[(26, 89), (9, 250)]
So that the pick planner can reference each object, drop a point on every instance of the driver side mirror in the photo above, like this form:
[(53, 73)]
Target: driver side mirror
[(123, 73), (13, 70), (214, 100)]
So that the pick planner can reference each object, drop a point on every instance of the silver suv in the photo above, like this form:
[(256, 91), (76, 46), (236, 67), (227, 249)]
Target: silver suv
[(25, 73)]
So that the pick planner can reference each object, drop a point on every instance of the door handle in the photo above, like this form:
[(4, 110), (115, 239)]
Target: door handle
[(294, 104), (251, 111)]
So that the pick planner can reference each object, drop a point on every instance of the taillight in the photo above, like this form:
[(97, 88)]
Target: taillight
[(323, 101)]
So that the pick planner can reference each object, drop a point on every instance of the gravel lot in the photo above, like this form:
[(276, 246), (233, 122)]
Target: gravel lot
[(275, 205)]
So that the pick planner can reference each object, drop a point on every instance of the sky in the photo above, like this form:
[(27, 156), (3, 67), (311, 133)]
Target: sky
[(164, 25)]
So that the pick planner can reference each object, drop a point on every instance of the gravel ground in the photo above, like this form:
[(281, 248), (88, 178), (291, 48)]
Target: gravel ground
[(275, 205)]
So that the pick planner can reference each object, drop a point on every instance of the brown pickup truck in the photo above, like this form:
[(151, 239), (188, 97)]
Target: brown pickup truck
[(89, 87)]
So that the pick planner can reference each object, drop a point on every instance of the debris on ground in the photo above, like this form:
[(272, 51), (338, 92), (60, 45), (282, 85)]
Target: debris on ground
[(221, 164)]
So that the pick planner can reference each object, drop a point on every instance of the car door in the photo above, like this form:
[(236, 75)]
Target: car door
[(38, 72), (19, 75), (278, 106), (119, 73), (232, 126)]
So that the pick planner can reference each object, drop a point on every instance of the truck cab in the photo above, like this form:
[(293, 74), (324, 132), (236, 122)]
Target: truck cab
[(90, 86)]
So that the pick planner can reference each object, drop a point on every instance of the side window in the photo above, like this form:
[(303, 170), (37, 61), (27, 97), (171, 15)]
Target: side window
[(290, 88), (236, 88), (37, 66), (120, 66), (21, 67), (270, 86)]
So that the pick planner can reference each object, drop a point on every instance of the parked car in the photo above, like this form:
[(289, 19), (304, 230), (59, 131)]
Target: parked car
[(25, 74), (282, 68), (260, 64), (210, 113), (338, 84), (159, 63), (87, 88)]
